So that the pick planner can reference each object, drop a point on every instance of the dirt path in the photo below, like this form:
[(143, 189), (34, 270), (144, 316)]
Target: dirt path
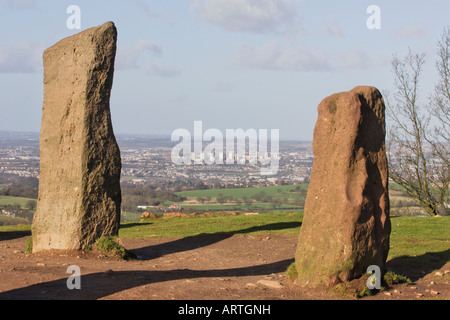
[(212, 267)]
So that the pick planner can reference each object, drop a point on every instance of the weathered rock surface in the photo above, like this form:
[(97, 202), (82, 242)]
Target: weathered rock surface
[(79, 187), (346, 225)]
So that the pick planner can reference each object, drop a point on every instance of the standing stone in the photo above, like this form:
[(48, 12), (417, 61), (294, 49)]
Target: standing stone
[(346, 223), (79, 185)]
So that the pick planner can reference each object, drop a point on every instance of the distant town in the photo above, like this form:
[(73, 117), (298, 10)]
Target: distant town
[(147, 160)]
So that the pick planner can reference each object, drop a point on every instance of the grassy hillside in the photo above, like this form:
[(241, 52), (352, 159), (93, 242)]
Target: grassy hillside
[(277, 191), (413, 239), (10, 221), (5, 201), (265, 199), (288, 223), (417, 236)]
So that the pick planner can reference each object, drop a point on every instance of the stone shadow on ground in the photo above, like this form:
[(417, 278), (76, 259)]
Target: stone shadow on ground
[(11, 235), (99, 285), (418, 267), (203, 240), (135, 224)]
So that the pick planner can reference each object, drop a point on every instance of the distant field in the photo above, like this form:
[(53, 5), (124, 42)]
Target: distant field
[(129, 217), (4, 201), (276, 191), (15, 228), (290, 197), (240, 192), (11, 221), (240, 207), (264, 199)]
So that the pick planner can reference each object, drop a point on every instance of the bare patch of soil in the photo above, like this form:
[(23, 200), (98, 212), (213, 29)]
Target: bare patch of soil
[(203, 267)]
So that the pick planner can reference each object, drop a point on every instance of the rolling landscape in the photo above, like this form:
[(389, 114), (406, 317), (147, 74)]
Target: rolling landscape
[(231, 222), (225, 157)]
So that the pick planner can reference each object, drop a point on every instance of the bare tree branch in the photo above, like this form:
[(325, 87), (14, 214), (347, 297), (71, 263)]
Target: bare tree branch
[(418, 146)]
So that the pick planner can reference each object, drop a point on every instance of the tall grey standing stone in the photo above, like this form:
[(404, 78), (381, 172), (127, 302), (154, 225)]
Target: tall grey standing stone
[(79, 185), (346, 225)]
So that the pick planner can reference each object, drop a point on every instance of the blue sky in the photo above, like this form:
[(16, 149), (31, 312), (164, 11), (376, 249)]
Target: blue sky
[(262, 64)]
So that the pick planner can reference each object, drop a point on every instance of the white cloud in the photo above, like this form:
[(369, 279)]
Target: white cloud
[(333, 29), (128, 57), (273, 56), (26, 57), (410, 32), (259, 16), (358, 59), (352, 59), (23, 57), (161, 71), (21, 4), (137, 57), (144, 7), (224, 86), (280, 56)]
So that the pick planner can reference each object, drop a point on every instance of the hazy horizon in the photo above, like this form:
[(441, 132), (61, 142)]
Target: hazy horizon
[(229, 63), (129, 135)]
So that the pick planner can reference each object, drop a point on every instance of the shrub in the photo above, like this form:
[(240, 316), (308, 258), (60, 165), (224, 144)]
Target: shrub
[(110, 246), (391, 278)]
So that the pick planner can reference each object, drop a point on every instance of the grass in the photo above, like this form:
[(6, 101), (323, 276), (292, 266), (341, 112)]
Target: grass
[(5, 220), (424, 239), (357, 288), (270, 223), (127, 217), (410, 236), (29, 245), (22, 202), (291, 272), (111, 246), (15, 228), (268, 199), (239, 207), (241, 192), (391, 278), (414, 240)]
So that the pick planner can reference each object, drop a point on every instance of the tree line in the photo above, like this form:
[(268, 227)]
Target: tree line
[(134, 196), (23, 187)]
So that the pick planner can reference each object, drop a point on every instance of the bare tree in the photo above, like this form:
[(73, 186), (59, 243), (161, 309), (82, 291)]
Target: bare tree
[(418, 140), (440, 101)]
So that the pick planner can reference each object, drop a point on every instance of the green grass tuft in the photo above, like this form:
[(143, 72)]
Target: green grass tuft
[(291, 272), (29, 245), (110, 246), (391, 278)]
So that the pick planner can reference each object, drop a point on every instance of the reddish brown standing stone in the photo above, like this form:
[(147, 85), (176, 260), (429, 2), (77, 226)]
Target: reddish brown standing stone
[(346, 225), (79, 185)]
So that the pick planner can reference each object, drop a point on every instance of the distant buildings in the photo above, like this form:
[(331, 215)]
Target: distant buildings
[(147, 161)]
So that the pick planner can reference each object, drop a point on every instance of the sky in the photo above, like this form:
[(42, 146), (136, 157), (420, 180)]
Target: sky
[(250, 64)]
